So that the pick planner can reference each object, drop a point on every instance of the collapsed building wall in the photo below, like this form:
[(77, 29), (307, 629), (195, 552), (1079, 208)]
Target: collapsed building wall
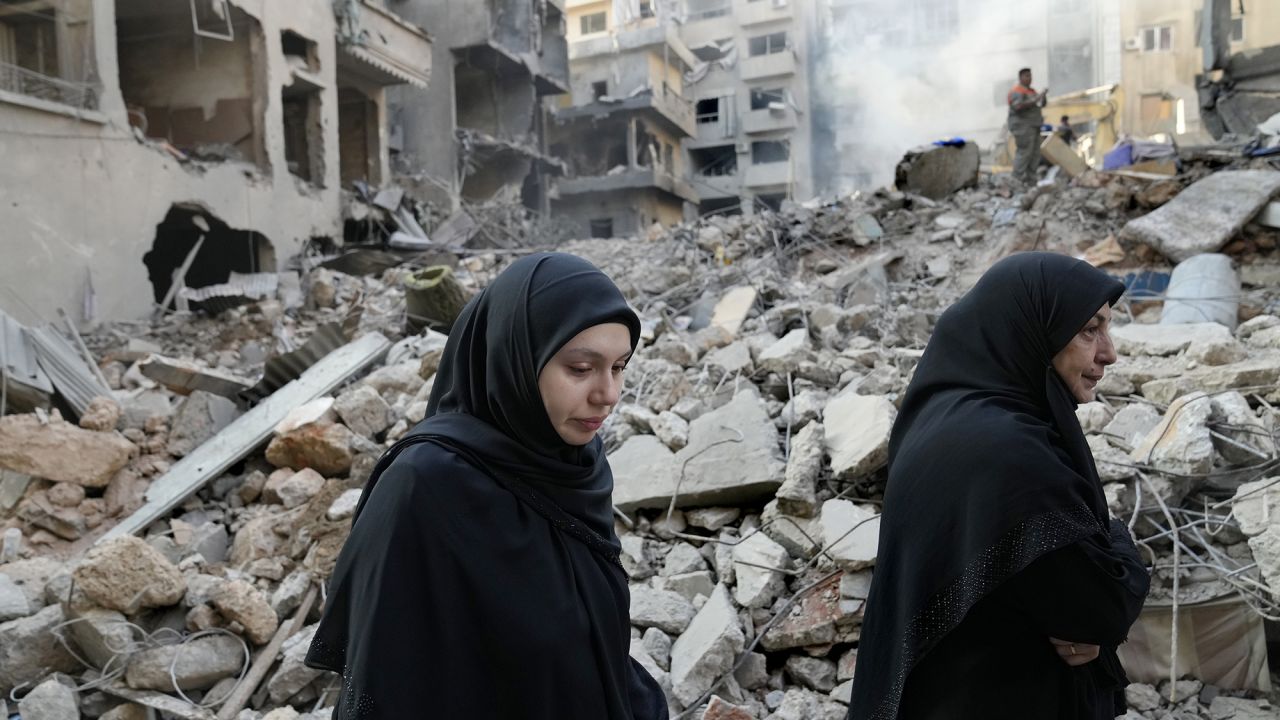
[(83, 196)]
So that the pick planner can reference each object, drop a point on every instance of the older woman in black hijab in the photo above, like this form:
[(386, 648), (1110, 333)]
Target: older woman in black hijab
[(481, 578), (1002, 589)]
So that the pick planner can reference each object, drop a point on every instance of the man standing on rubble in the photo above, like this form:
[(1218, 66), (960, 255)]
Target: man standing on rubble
[(1025, 120)]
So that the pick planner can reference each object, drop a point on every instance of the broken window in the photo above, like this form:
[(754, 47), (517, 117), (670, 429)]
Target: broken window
[(1237, 29), (668, 158), (357, 138), (299, 51), (602, 228), (708, 110), (219, 250), (714, 161), (767, 44), (761, 97), (646, 146), (594, 23), (303, 134), (771, 201), (599, 89), (201, 95), (46, 51), (1158, 38), (770, 151), (646, 8)]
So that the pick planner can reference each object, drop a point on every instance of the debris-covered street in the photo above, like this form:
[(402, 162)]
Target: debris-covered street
[(237, 237)]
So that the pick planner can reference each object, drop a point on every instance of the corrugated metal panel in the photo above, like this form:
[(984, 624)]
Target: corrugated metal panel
[(74, 381), (283, 369), (18, 356)]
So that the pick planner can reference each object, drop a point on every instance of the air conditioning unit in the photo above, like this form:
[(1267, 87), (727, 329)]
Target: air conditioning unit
[(1133, 43)]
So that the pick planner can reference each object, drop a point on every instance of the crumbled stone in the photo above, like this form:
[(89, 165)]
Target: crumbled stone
[(663, 609), (706, 650), (127, 574), (59, 451), (239, 601), (196, 665), (857, 434)]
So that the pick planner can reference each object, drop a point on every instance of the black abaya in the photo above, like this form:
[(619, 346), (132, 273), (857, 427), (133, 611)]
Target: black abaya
[(481, 578), (995, 534)]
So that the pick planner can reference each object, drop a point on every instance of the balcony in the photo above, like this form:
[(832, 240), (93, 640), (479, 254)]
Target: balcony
[(631, 179), (768, 174), (767, 66), (769, 120), (633, 39), (553, 71), (390, 50), (756, 12), (717, 187), (670, 109)]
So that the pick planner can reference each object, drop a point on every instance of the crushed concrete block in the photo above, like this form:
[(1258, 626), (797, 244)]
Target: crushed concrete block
[(802, 704), (846, 665), (50, 700), (718, 468), (663, 609), (1093, 416), (757, 586), (719, 709), (1206, 215), (345, 505), (102, 415), (293, 675), (814, 673), (239, 601), (300, 487), (798, 494), (1237, 421), (196, 665), (392, 381), (733, 309), (184, 377), (787, 353), (1181, 442), (852, 550), (1132, 422), (687, 585), (199, 417), (13, 601), (363, 410), (706, 650), (323, 446), (732, 359), (712, 518), (811, 621), (59, 451), (804, 408), (801, 536), (67, 523), (30, 650), (682, 558), (1254, 372), (1113, 465), (651, 666), (1160, 340), (101, 635), (857, 434), (671, 429), (658, 645), (754, 671), (937, 172), (127, 574)]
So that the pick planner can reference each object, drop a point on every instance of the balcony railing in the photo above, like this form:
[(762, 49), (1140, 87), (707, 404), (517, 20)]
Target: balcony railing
[(22, 81)]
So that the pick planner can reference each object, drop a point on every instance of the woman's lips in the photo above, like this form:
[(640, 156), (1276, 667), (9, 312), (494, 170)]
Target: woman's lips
[(591, 424)]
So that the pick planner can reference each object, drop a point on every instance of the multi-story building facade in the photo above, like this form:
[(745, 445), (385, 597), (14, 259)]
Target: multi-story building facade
[(754, 142), (134, 134), (620, 129), (1163, 53), (479, 129)]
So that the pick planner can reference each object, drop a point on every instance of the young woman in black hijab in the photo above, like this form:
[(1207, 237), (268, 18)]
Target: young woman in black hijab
[(481, 578), (1002, 589)]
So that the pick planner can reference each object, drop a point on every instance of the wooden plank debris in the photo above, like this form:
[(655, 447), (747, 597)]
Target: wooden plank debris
[(249, 431)]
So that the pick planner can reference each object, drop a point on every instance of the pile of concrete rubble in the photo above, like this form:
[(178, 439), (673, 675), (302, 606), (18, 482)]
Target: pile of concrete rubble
[(748, 454)]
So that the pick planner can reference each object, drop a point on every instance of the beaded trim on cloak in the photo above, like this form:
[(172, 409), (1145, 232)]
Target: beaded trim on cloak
[(1011, 554)]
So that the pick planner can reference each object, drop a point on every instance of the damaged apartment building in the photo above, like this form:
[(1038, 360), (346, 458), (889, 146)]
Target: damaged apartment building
[(479, 131), (212, 137), (683, 107)]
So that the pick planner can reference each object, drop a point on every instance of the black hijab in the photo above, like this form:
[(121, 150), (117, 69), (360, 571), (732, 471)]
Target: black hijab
[(490, 575), (988, 466)]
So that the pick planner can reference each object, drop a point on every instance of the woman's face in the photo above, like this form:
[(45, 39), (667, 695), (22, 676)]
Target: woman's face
[(581, 384), (1082, 362)]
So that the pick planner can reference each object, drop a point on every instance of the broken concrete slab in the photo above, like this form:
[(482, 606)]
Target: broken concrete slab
[(938, 171), (787, 353), (1181, 443), (811, 621), (801, 536), (1159, 340), (756, 584), (688, 585), (195, 665), (732, 457), (671, 429), (185, 377), (127, 574), (1206, 215), (730, 360), (814, 673), (1256, 371), (60, 451), (293, 675), (239, 601), (13, 601), (857, 433), (101, 635), (853, 549), (50, 700), (200, 416), (30, 649), (706, 650), (668, 611), (363, 410), (1244, 439), (712, 518), (798, 494), (733, 309)]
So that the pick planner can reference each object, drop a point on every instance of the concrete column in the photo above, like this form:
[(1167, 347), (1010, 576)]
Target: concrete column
[(633, 160)]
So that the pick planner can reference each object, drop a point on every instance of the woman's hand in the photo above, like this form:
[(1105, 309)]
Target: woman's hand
[(1075, 654)]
